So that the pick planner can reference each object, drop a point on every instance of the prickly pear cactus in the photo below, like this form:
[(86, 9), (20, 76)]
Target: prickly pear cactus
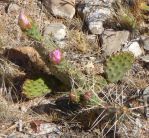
[(117, 65), (35, 88)]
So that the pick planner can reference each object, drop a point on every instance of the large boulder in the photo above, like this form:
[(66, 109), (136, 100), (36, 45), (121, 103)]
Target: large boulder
[(61, 8)]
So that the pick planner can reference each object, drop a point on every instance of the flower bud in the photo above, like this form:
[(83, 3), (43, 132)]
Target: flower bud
[(87, 96), (55, 56), (24, 22), (74, 97)]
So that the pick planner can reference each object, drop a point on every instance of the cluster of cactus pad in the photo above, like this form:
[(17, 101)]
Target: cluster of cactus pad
[(35, 88), (34, 32), (116, 67)]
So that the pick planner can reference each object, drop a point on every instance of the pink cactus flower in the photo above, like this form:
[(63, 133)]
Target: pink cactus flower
[(23, 21), (55, 56)]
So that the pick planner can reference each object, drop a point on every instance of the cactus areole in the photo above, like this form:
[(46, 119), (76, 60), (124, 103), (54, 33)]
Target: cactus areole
[(55, 56)]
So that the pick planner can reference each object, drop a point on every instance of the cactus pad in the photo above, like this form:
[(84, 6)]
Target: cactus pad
[(117, 65), (35, 88), (34, 33)]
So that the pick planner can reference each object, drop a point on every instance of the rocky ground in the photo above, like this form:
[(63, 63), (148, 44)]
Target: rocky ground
[(88, 33)]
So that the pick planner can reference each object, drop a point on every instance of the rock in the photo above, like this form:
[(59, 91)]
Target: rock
[(134, 47), (95, 13), (96, 27), (91, 37), (146, 42), (26, 57), (13, 8), (5, 1), (99, 2), (41, 127), (56, 30), (61, 8), (113, 40), (146, 101), (145, 58)]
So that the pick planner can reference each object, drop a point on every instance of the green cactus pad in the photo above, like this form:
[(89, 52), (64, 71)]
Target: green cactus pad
[(35, 88), (34, 33), (117, 65)]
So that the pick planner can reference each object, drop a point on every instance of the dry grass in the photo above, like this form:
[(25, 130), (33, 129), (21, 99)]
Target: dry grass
[(130, 15), (79, 41), (124, 17)]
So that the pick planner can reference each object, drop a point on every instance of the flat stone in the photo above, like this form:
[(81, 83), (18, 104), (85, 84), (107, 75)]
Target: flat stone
[(145, 58), (96, 27), (113, 40), (98, 14), (55, 30), (61, 8), (135, 48)]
